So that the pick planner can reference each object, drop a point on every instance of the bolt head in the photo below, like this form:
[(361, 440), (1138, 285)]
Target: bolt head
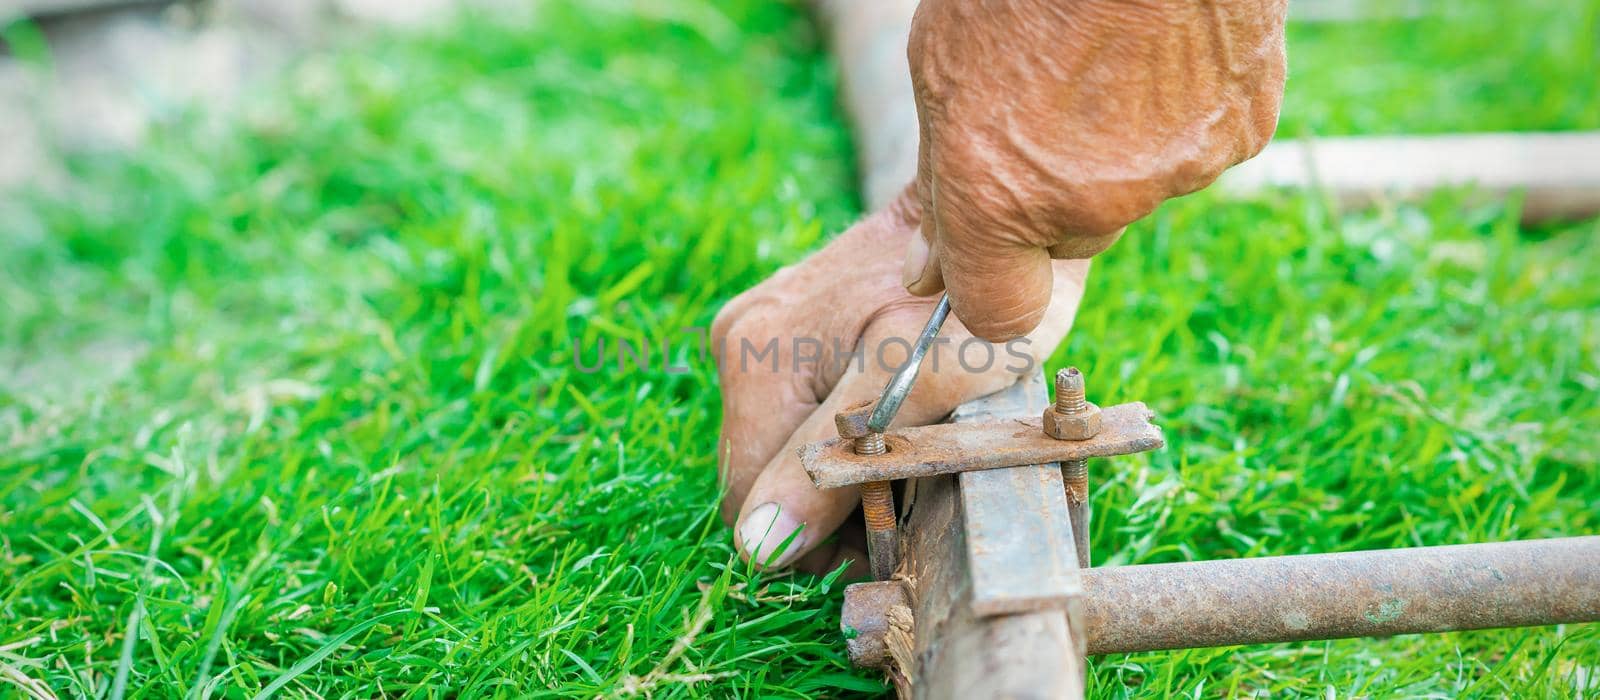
[(865, 620), (1072, 426), (852, 421)]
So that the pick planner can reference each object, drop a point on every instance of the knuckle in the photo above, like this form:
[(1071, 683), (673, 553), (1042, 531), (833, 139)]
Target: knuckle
[(906, 312), (727, 318), (740, 319), (731, 332)]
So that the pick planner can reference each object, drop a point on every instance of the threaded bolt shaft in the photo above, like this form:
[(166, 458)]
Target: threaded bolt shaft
[(883, 530), (877, 509), (877, 504), (1070, 396), (877, 497), (1071, 399), (1075, 471), (871, 444), (1075, 477)]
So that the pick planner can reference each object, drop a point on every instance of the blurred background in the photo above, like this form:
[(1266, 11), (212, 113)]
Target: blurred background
[(91, 74), (94, 74)]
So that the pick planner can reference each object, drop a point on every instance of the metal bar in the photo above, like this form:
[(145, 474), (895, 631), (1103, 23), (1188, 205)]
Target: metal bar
[(1333, 596), (961, 447), (1011, 573), (951, 527)]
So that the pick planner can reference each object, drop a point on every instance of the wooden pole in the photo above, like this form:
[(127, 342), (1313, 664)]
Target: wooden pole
[(1557, 174), (868, 39)]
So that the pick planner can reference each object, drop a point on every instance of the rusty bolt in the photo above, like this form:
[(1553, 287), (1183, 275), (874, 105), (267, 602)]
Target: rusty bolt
[(852, 421), (852, 425), (1071, 417), (877, 499)]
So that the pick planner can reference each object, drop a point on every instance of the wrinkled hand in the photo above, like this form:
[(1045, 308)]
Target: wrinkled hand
[(1049, 125), (846, 293)]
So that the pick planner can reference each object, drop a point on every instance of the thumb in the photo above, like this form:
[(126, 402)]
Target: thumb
[(999, 294), (920, 274), (999, 286)]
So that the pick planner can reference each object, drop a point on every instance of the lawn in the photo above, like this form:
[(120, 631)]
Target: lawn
[(1476, 65), (289, 404)]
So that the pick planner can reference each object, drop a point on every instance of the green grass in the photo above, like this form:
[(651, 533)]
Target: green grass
[(351, 455), (1472, 65)]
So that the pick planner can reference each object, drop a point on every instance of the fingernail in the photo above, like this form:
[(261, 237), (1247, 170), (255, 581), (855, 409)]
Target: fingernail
[(765, 530), (916, 260)]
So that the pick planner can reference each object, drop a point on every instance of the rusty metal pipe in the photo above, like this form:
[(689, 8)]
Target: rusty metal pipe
[(1333, 596)]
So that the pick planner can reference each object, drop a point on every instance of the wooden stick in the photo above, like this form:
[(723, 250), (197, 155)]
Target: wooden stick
[(868, 38), (1558, 173)]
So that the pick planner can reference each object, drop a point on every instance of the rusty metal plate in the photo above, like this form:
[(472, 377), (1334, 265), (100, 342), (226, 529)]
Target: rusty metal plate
[(964, 447)]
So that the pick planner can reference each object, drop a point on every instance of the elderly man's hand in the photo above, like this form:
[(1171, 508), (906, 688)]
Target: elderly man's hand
[(811, 315), (1049, 125)]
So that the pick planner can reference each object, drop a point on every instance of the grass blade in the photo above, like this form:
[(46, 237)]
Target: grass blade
[(321, 653)]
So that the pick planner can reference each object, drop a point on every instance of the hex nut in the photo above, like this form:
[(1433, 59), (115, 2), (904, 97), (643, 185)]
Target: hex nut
[(1072, 426), (852, 421)]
